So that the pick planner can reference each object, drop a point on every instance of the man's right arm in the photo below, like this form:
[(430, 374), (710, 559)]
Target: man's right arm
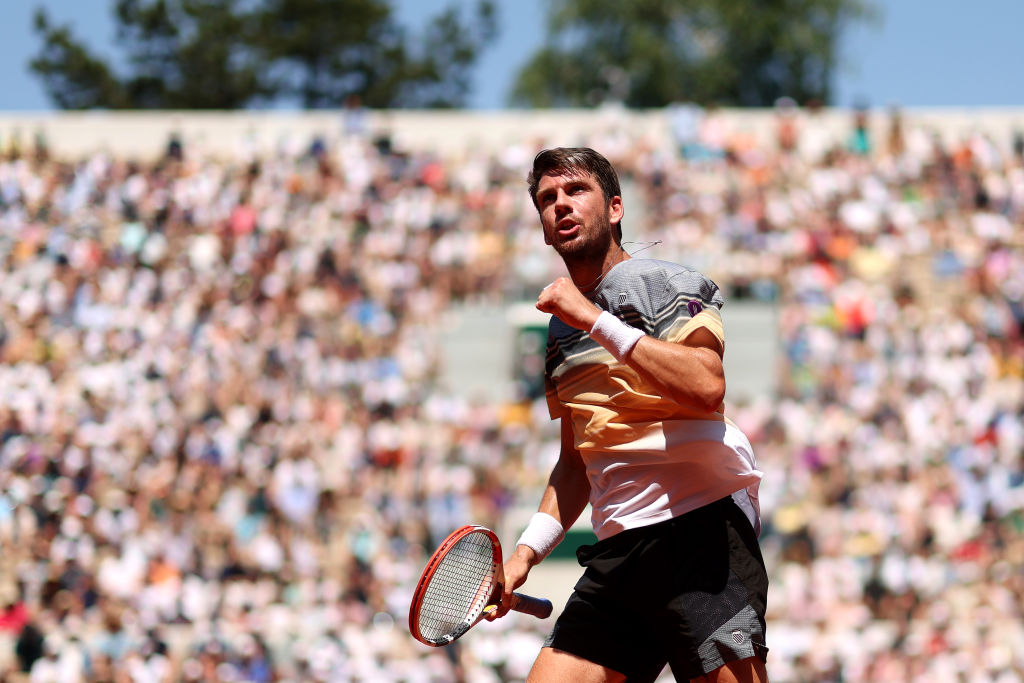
[(565, 497)]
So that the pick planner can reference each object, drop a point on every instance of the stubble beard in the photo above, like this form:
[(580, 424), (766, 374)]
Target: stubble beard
[(588, 246)]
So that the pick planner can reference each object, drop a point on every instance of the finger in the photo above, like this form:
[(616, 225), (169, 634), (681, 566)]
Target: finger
[(501, 609)]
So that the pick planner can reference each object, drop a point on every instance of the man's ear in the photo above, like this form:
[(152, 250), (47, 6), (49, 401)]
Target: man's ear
[(615, 210)]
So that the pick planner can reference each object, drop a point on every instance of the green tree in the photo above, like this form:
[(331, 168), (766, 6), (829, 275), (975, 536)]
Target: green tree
[(229, 54), (73, 76), (324, 51), (186, 54), (651, 53)]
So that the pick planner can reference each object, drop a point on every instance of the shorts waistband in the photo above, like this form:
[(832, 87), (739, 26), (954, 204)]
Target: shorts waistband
[(628, 537)]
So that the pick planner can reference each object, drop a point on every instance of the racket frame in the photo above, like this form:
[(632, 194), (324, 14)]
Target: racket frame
[(497, 579)]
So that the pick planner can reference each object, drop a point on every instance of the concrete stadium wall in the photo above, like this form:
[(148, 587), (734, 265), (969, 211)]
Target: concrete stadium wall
[(448, 133)]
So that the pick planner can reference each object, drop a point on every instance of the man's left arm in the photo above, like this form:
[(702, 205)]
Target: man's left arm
[(689, 372)]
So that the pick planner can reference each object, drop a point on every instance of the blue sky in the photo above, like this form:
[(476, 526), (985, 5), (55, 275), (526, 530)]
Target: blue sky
[(918, 52)]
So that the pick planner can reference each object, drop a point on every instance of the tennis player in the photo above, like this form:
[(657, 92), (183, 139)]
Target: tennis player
[(634, 373)]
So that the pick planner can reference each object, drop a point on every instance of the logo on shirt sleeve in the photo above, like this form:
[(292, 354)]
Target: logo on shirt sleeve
[(694, 307)]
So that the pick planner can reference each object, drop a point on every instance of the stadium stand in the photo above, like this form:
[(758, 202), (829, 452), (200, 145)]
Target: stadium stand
[(228, 439)]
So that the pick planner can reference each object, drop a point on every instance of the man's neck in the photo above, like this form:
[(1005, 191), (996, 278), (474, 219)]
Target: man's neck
[(587, 276)]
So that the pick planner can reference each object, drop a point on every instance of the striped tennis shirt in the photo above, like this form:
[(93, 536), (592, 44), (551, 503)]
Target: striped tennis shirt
[(648, 458)]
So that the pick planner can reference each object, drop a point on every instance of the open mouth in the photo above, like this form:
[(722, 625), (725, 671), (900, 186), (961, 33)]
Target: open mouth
[(567, 227)]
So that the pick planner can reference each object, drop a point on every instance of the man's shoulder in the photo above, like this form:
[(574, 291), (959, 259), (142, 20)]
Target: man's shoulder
[(649, 293), (653, 269), (658, 278)]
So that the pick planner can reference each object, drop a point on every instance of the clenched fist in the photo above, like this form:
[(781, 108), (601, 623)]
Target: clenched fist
[(562, 299)]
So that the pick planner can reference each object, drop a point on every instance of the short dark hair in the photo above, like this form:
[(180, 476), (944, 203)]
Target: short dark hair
[(576, 161)]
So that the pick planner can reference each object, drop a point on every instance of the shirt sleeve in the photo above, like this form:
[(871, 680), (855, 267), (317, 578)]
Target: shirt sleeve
[(697, 301), (710, 319), (555, 407)]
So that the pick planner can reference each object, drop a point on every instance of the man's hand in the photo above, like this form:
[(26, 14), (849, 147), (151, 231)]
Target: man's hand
[(562, 299), (516, 569)]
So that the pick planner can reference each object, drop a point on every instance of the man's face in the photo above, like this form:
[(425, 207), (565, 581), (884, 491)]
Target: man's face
[(575, 216)]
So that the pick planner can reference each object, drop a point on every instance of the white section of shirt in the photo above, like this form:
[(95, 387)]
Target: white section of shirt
[(670, 469)]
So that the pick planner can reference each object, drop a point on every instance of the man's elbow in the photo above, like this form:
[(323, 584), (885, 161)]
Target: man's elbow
[(711, 392), (714, 395)]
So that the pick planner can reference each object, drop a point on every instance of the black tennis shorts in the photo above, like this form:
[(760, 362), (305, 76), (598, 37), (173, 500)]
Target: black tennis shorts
[(689, 591)]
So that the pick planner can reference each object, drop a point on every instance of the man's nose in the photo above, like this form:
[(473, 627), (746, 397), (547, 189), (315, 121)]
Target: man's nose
[(562, 203)]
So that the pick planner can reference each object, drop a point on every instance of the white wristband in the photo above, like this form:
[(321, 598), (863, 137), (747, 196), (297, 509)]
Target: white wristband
[(542, 534), (615, 335)]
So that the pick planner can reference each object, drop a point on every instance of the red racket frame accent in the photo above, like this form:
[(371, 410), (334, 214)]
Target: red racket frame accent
[(435, 560), (526, 604)]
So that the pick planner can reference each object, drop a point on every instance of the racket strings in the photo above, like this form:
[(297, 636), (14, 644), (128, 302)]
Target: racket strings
[(459, 589)]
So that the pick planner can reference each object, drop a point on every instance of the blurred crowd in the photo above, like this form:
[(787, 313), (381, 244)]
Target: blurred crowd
[(894, 445), (227, 449)]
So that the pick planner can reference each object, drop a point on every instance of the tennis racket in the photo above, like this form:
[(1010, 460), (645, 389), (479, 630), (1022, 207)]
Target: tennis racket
[(462, 579)]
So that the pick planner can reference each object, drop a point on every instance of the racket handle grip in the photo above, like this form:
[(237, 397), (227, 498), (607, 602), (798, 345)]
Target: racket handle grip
[(527, 604)]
